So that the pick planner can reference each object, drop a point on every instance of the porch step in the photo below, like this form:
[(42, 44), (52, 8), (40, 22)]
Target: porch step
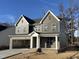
[(46, 50)]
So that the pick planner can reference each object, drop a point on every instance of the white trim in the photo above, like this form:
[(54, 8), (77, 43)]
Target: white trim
[(45, 45), (56, 40), (59, 27), (32, 33), (31, 42), (46, 15), (18, 19), (10, 45), (38, 42)]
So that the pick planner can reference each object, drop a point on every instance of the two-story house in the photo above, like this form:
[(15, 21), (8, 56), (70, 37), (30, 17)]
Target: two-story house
[(49, 32)]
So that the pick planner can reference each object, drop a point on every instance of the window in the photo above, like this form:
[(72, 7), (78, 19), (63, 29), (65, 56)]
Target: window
[(49, 17), (53, 27), (37, 28), (24, 29), (18, 30), (45, 27), (22, 21)]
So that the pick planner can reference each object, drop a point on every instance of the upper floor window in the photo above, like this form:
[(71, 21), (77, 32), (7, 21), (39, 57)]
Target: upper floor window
[(24, 29), (53, 27), (22, 21), (45, 27), (37, 28), (49, 17), (18, 30)]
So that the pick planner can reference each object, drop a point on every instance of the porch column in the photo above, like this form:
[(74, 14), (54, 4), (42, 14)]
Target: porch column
[(56, 40), (45, 44), (10, 45), (31, 43), (38, 42)]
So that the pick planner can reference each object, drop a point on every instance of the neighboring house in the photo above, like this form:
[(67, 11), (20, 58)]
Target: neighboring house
[(5, 30), (4, 39), (48, 33)]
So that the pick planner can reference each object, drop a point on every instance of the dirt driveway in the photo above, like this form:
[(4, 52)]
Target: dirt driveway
[(45, 55)]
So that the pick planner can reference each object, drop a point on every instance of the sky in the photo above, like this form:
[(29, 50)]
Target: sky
[(11, 10)]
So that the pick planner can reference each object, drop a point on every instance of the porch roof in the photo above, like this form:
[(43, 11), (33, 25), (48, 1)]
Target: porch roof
[(41, 35), (19, 36), (48, 35)]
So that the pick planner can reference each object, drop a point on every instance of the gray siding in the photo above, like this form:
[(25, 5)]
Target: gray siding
[(4, 39), (22, 27), (49, 25), (62, 37)]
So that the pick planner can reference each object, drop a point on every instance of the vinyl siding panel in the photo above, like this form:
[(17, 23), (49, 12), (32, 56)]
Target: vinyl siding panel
[(4, 38), (22, 27), (52, 23)]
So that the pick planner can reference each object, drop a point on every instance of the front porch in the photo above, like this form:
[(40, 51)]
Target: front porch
[(34, 41)]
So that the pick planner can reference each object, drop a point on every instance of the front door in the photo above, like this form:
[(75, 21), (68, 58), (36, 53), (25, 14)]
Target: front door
[(34, 42)]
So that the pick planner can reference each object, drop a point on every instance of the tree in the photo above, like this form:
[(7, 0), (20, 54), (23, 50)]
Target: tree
[(72, 12), (78, 23)]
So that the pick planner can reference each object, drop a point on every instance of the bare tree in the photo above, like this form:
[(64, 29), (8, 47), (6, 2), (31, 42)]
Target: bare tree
[(69, 13), (62, 10)]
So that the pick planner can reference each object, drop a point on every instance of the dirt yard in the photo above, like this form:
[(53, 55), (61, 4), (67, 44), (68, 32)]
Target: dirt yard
[(45, 55)]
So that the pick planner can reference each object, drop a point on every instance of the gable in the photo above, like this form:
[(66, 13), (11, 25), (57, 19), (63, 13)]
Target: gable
[(33, 33), (48, 16), (21, 20), (22, 26)]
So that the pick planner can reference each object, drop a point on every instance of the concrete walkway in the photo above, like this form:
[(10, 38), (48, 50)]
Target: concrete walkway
[(7, 53)]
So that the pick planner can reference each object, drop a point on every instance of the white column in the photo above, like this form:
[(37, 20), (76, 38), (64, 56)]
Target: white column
[(31, 43), (10, 47), (38, 42), (56, 40), (45, 44)]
